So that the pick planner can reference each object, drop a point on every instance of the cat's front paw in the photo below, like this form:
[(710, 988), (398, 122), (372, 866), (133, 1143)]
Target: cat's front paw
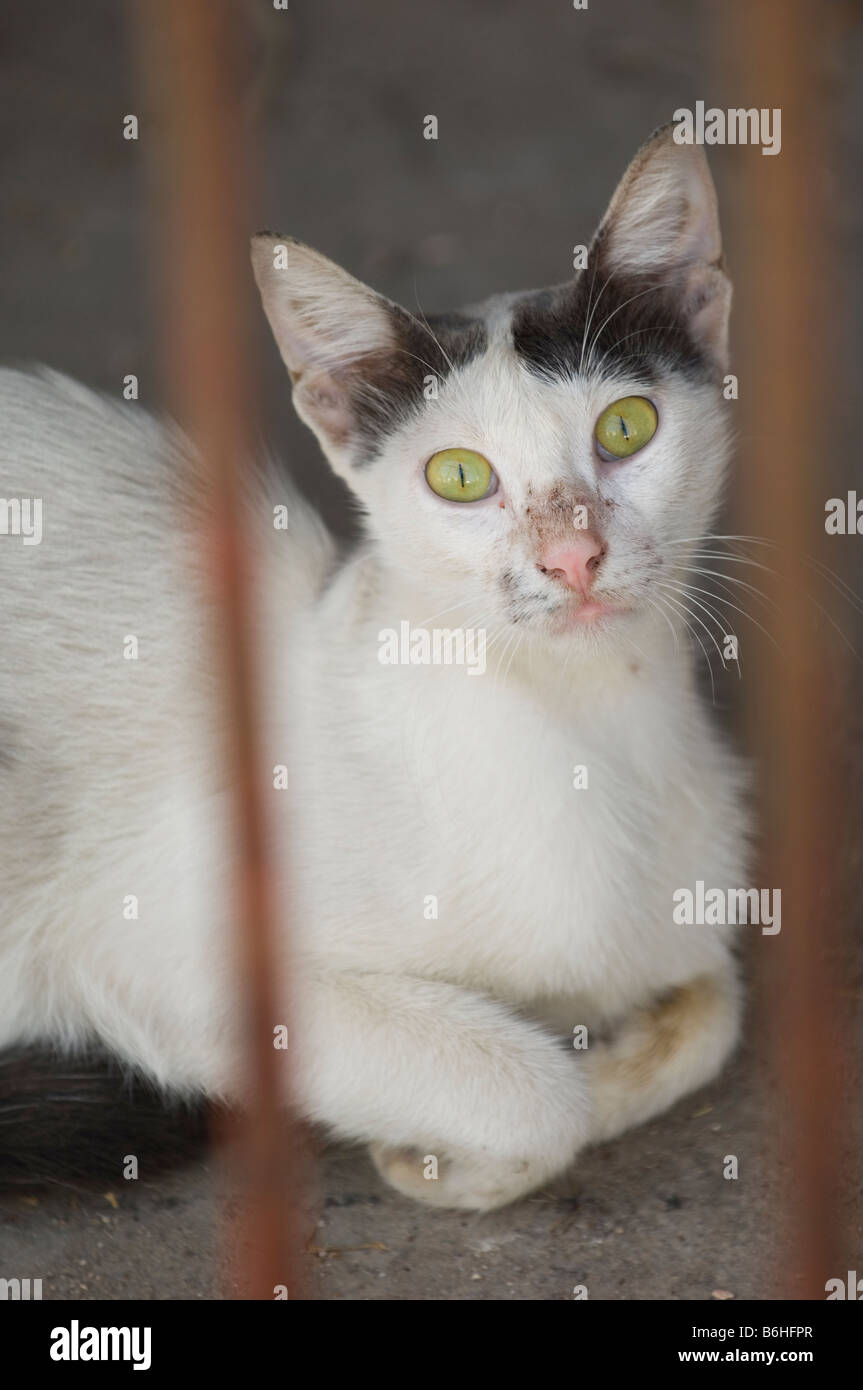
[(468, 1182)]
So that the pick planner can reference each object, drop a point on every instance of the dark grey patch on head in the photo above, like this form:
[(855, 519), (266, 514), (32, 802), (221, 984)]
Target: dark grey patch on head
[(614, 321), (387, 387)]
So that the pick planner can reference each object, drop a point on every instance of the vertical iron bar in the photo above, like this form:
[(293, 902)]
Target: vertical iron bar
[(775, 58), (190, 51)]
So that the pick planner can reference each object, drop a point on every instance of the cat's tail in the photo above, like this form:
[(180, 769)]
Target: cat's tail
[(79, 1122)]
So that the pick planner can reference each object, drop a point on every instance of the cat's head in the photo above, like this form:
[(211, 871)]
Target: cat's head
[(544, 458)]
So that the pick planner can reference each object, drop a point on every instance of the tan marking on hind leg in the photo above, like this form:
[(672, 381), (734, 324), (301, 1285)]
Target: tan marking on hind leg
[(662, 1052)]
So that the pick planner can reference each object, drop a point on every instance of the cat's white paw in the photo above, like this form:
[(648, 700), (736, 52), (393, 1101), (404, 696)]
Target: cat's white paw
[(469, 1182)]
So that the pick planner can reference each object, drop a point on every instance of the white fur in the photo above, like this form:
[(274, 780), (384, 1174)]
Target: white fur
[(418, 1036)]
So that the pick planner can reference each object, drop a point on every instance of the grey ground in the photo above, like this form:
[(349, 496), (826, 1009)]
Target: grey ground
[(647, 1218), (540, 109)]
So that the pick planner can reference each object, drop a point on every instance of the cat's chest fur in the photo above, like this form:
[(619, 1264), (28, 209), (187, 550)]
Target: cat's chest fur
[(489, 831)]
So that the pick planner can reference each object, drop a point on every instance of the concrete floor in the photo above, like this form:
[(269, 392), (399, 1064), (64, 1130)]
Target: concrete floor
[(650, 1217), (540, 109)]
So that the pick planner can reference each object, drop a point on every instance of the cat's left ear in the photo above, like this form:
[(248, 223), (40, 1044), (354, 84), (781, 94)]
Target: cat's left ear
[(336, 336), (663, 224)]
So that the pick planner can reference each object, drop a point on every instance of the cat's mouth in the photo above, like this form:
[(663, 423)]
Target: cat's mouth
[(595, 609), (591, 612)]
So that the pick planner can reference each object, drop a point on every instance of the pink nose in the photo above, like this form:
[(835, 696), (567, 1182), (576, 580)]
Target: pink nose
[(576, 562)]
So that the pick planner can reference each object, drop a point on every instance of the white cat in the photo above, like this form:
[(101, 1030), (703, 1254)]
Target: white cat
[(459, 900)]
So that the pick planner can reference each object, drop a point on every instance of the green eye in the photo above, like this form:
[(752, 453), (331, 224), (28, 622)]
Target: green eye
[(626, 426), (459, 475)]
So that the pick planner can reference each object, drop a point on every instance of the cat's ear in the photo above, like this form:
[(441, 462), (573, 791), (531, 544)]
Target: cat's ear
[(663, 224), (333, 334)]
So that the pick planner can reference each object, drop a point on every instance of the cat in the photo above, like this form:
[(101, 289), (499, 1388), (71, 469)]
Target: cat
[(477, 865)]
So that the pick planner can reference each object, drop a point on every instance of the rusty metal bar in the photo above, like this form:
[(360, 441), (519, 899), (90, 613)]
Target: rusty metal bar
[(190, 69), (774, 58)]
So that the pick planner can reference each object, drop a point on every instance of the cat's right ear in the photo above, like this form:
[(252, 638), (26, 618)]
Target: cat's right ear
[(332, 332)]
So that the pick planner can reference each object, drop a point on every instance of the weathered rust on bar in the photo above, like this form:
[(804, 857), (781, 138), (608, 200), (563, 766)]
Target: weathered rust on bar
[(775, 57), (190, 52)]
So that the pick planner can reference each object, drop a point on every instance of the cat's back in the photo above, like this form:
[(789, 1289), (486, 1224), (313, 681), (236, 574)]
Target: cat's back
[(103, 642), (87, 484), (109, 655), (95, 534), (70, 447)]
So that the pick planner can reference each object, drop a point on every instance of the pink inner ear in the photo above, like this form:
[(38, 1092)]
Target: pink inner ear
[(707, 301), (323, 403)]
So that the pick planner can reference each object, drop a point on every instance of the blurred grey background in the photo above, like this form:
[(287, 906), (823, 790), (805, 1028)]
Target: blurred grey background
[(540, 109)]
